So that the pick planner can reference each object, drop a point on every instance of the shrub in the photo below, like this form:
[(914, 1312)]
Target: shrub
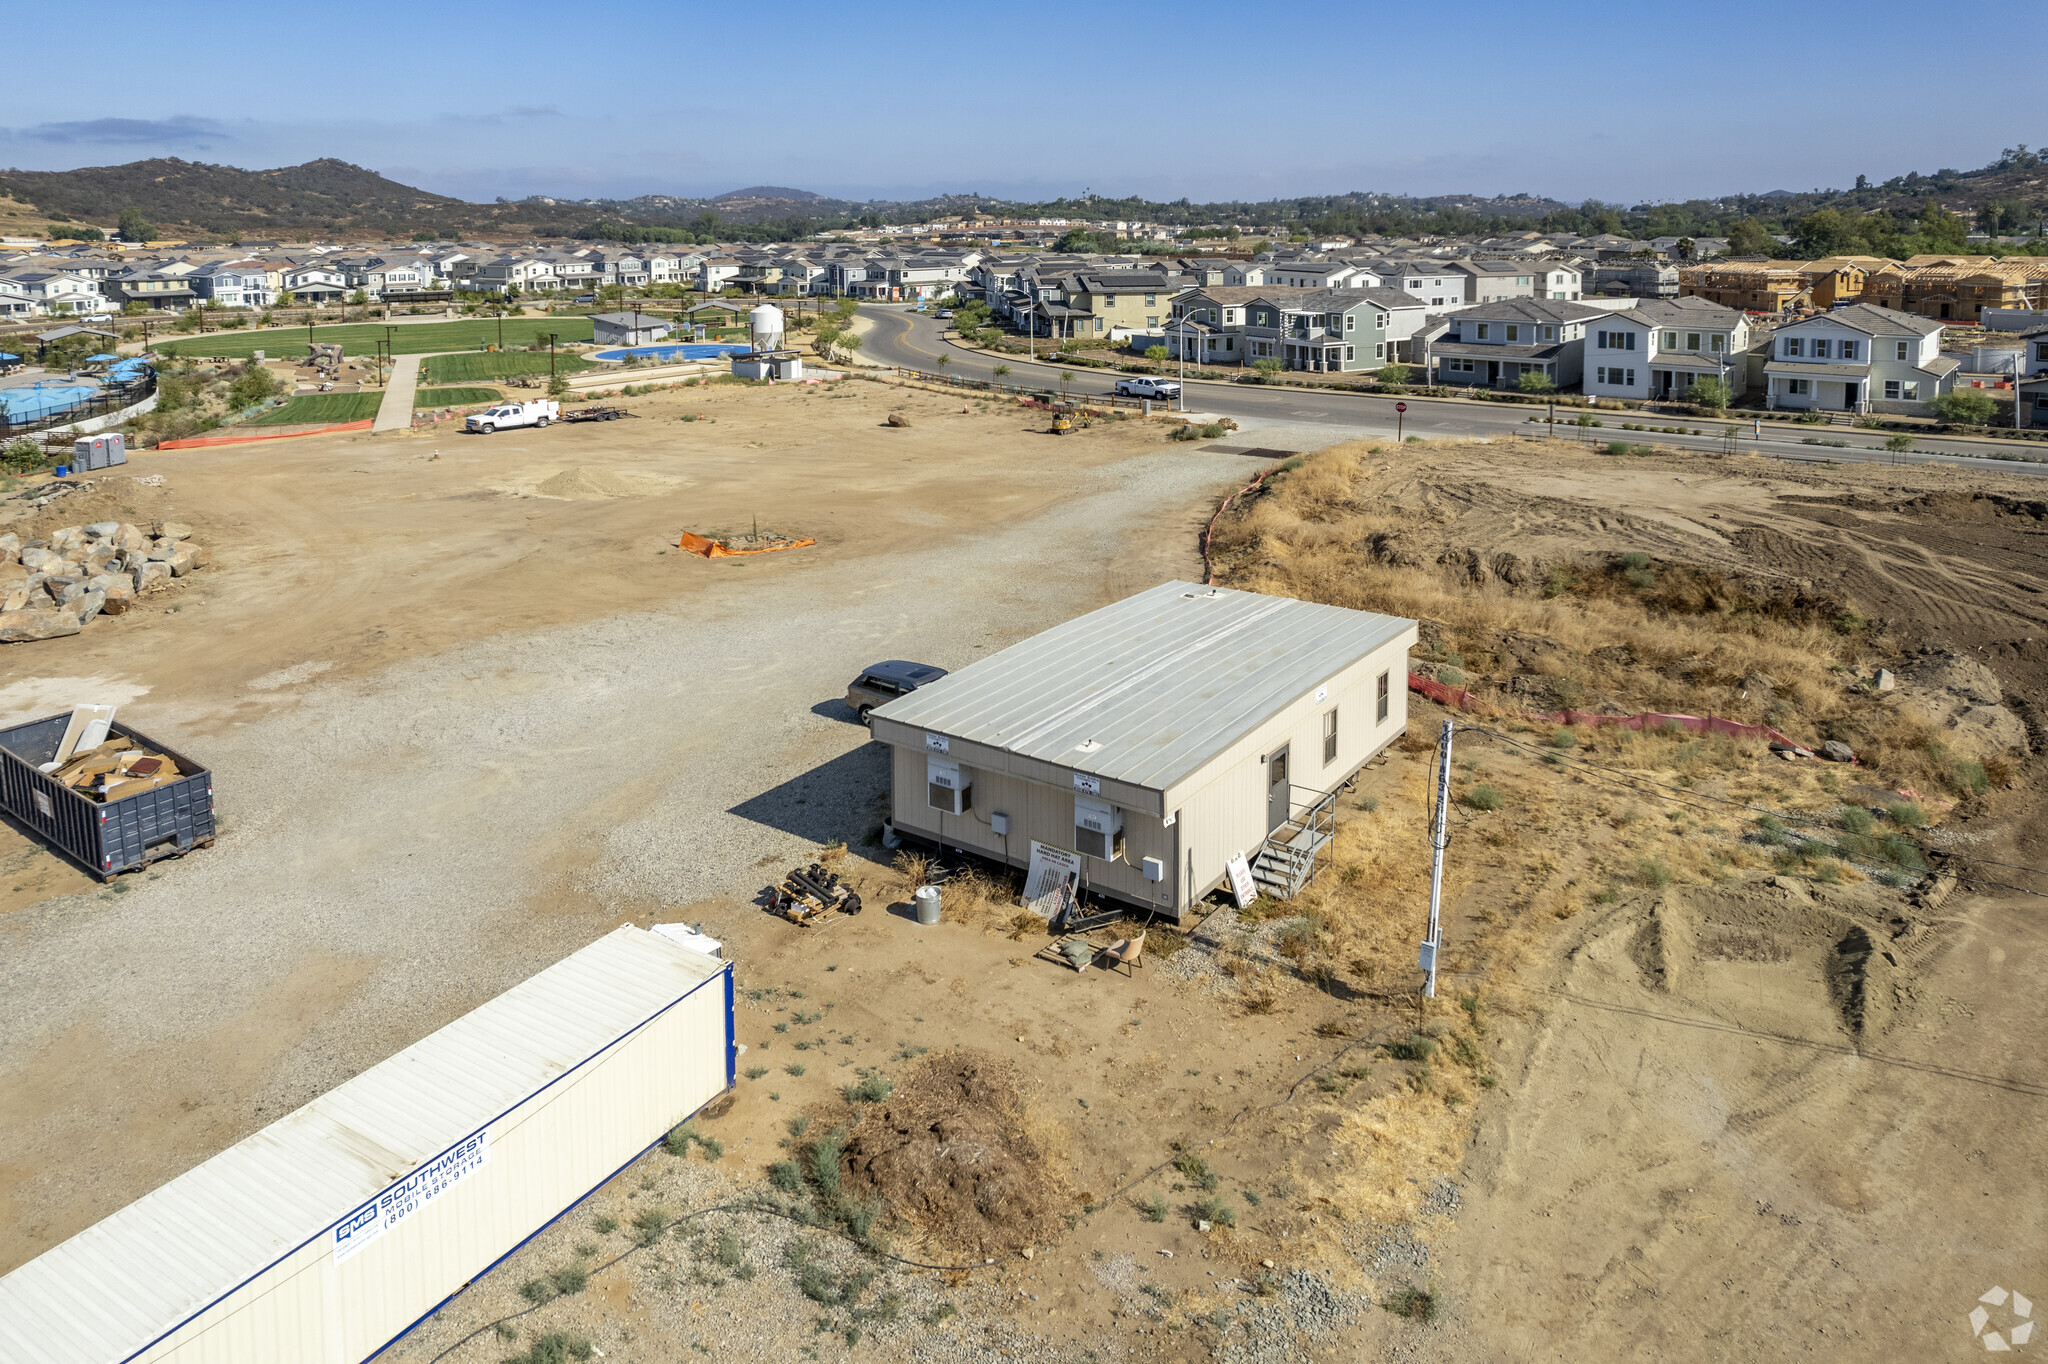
[(1635, 558), (1855, 820), (1564, 737), (785, 1175), (870, 1090), (1652, 871), (1153, 1209), (570, 1279), (1908, 815), (1641, 578), (556, 1347), (1196, 1171), (1416, 1048), (1482, 798), (1413, 1303), (1964, 407), (1898, 444), (1216, 1212)]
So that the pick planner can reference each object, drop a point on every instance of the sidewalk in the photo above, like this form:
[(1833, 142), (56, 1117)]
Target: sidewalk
[(395, 412)]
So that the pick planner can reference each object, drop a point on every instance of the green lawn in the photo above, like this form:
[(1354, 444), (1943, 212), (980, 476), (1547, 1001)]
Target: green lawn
[(407, 338), (480, 367), (322, 407), (454, 397)]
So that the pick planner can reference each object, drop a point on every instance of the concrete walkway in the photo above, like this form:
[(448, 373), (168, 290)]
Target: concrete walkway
[(395, 413)]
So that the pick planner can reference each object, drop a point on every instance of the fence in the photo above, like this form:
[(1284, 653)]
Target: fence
[(82, 406), (1459, 699)]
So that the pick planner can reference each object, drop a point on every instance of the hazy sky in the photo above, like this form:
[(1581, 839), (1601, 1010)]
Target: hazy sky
[(899, 99)]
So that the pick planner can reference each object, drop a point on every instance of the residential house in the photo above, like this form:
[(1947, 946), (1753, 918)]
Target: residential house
[(1633, 279), (1662, 347), (1438, 284), (715, 272), (1122, 302), (317, 284), (56, 291), (1753, 286), (1861, 358), (1320, 274), (1493, 281), (2031, 388), (525, 273), (381, 277), (1492, 345), (157, 285), (1959, 289), (1836, 280), (234, 284), (1334, 330), (1247, 273)]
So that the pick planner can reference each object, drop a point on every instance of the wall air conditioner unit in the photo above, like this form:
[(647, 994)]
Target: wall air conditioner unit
[(1098, 829), (947, 787)]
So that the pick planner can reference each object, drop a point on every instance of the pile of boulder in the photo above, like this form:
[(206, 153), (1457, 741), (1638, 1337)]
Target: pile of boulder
[(54, 587)]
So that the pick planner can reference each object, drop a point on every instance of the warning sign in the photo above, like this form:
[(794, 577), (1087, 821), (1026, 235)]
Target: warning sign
[(1054, 881), (1241, 883)]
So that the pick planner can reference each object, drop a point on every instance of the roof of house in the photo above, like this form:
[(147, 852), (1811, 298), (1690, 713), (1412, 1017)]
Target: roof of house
[(1533, 310), (641, 320), (1872, 320), (1486, 350), (1149, 689), (1807, 369), (112, 1289), (1689, 312)]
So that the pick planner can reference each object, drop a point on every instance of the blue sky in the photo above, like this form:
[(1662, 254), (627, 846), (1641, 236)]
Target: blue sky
[(1622, 102)]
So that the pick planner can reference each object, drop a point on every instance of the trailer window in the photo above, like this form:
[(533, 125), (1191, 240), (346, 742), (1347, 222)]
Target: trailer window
[(1329, 736), (1382, 699)]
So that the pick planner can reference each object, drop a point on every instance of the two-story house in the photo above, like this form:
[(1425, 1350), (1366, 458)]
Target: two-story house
[(1496, 281), (1435, 283), (1492, 345), (1861, 358), (156, 285), (715, 272), (1336, 330), (316, 284), (57, 291), (233, 284), (1121, 302), (1662, 347), (1320, 274)]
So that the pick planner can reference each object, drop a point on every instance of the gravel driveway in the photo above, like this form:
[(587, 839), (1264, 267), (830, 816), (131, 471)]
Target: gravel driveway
[(398, 849)]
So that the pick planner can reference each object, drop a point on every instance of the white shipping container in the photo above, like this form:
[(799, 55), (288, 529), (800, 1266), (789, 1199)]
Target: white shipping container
[(332, 1231)]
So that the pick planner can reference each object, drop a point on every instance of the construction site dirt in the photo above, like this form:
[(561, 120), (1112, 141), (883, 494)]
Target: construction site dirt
[(1709, 1074)]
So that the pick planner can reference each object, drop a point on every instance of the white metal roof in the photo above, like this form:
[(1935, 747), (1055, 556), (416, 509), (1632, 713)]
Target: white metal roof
[(1148, 690), (114, 1288)]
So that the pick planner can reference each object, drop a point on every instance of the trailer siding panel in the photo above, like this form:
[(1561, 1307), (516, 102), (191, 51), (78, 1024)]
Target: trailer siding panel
[(571, 1075)]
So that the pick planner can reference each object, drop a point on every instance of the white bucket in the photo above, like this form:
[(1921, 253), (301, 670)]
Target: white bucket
[(926, 898)]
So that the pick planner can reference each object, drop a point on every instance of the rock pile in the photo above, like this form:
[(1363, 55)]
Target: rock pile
[(53, 588)]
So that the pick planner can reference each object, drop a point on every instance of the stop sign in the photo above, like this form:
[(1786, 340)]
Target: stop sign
[(1400, 407)]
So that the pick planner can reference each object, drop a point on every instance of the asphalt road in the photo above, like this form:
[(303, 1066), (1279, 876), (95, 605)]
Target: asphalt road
[(903, 336)]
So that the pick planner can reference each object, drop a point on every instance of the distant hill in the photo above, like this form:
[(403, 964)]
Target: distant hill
[(773, 193), (329, 198)]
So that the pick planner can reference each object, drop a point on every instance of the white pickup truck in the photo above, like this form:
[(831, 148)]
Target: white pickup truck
[(1148, 388), (537, 413)]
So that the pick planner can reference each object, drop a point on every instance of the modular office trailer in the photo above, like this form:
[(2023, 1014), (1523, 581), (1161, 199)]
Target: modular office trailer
[(329, 1233), (1164, 734)]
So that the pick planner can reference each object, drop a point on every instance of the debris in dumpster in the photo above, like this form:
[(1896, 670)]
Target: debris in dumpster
[(117, 769), (807, 894)]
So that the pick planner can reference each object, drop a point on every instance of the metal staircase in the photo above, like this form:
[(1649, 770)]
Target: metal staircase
[(1293, 853)]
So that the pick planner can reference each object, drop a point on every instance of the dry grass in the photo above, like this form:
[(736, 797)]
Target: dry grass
[(1690, 646)]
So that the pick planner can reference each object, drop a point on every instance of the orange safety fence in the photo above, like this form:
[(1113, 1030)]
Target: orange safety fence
[(714, 549), (195, 442)]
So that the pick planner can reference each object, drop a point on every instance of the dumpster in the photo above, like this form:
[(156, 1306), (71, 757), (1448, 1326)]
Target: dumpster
[(110, 838)]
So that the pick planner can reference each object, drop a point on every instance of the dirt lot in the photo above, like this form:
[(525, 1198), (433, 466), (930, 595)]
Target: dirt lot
[(473, 714)]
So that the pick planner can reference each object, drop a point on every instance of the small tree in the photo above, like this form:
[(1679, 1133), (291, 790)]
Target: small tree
[(1002, 371), (1964, 407), (829, 337), (1156, 354), (849, 343), (1392, 374), (360, 298), (1268, 368), (134, 227), (1709, 394), (1898, 444), (1534, 381), (558, 387), (945, 360)]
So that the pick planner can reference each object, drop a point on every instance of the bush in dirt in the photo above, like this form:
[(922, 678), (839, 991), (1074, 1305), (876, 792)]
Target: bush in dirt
[(1481, 798), (1964, 407)]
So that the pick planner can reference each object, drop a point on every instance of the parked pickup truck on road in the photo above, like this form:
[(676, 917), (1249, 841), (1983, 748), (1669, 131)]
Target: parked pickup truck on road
[(536, 414), (1148, 388)]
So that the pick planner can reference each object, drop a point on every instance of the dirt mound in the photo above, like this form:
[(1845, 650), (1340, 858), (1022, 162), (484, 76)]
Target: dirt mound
[(953, 1153), (592, 483)]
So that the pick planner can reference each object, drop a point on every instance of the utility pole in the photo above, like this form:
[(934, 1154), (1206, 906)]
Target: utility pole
[(1439, 839)]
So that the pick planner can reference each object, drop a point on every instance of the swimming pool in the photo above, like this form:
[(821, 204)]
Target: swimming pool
[(688, 350), (35, 401)]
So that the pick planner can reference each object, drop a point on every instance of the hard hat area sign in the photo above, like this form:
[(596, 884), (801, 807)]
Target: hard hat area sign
[(410, 1194)]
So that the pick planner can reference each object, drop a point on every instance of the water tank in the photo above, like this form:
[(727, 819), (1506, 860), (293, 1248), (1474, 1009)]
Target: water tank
[(765, 325)]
